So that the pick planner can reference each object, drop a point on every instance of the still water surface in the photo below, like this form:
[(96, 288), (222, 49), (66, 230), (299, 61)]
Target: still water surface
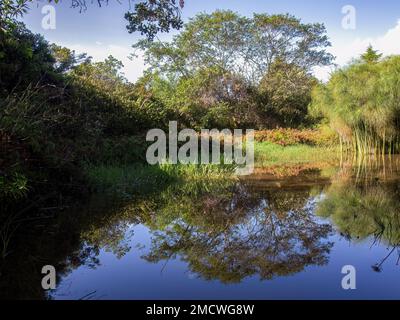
[(282, 233)]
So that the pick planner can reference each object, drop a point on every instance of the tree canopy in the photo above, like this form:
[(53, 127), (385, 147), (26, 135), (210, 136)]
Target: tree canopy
[(371, 55), (243, 46), (226, 70)]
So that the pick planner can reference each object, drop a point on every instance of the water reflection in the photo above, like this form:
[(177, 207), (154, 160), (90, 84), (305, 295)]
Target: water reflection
[(279, 222), (363, 203), (230, 236)]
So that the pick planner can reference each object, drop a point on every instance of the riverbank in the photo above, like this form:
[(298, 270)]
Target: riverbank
[(268, 154), (141, 178)]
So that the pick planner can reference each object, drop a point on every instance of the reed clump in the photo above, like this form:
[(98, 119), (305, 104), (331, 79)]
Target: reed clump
[(362, 104)]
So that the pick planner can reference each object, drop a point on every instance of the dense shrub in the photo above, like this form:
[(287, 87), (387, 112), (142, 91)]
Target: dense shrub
[(66, 112), (286, 92), (227, 70)]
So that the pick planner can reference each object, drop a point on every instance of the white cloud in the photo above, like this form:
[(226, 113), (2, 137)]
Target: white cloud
[(345, 51), (323, 73), (132, 70)]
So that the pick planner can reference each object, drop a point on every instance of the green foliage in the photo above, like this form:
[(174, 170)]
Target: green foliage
[(249, 71), (371, 55), (61, 110), (148, 17), (239, 45), (286, 89), (152, 17), (66, 59), (209, 98), (140, 179), (14, 187), (267, 153), (126, 179), (25, 58), (361, 102), (10, 10)]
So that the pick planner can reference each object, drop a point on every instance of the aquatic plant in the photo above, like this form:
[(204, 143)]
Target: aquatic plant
[(361, 102)]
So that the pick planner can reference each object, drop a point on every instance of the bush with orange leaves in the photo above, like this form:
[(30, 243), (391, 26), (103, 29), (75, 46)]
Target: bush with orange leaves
[(287, 137)]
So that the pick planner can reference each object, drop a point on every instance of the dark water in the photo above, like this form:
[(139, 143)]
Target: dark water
[(283, 233)]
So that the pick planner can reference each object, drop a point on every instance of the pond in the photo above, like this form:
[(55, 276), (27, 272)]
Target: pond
[(282, 233)]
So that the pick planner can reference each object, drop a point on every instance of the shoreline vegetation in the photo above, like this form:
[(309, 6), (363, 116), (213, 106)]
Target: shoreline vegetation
[(361, 103), (279, 147), (145, 177)]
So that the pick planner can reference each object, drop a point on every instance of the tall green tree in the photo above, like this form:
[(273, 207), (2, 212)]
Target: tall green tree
[(153, 16), (239, 70), (371, 55), (244, 46), (25, 58), (66, 59)]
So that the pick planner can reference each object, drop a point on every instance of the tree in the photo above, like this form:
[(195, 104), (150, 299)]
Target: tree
[(9, 11), (25, 58), (66, 59), (284, 37), (286, 91), (244, 46), (371, 55), (243, 71), (153, 16)]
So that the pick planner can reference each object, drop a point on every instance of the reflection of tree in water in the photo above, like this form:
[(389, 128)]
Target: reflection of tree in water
[(70, 240), (223, 230), (365, 207), (231, 236), (60, 246), (113, 238)]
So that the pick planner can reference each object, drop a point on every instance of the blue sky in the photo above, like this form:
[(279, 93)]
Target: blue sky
[(101, 31)]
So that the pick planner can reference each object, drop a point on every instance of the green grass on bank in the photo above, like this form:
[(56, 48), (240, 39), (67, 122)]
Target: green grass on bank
[(267, 153), (139, 178)]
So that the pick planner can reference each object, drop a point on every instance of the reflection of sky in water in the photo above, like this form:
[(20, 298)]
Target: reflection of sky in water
[(131, 277), (221, 244)]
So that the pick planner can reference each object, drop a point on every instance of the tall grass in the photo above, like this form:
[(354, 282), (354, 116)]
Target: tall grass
[(145, 178), (362, 103), (267, 153)]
